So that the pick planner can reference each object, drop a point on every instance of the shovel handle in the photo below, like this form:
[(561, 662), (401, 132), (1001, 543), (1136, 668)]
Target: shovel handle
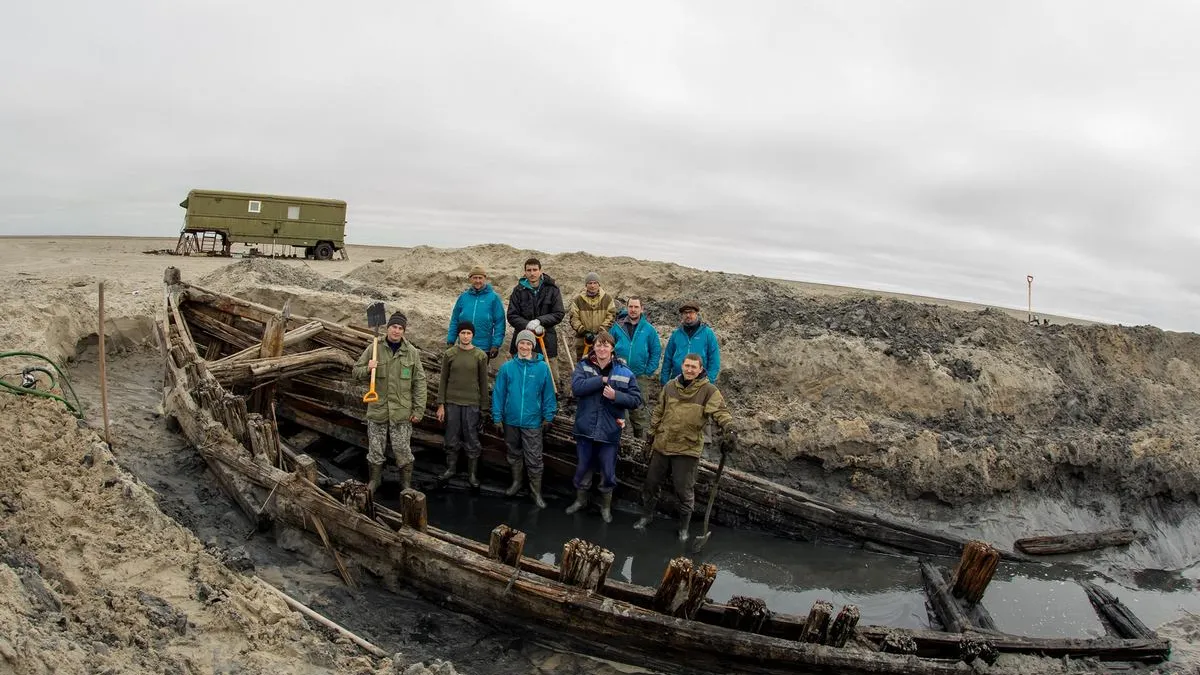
[(371, 396), (546, 355)]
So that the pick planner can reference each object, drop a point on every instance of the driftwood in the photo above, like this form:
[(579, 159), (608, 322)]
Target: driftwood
[(974, 572), (1115, 614), (1074, 543), (331, 625), (948, 611)]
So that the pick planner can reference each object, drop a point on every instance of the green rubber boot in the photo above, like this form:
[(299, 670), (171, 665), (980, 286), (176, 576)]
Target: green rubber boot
[(581, 500), (518, 475), (535, 487), (606, 507)]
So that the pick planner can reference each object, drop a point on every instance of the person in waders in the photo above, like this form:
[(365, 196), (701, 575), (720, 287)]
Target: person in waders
[(400, 379), (463, 401), (604, 389), (676, 438), (523, 406)]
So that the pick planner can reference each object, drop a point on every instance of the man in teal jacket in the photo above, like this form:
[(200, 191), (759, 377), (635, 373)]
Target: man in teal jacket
[(691, 337), (480, 304), (523, 405), (639, 347)]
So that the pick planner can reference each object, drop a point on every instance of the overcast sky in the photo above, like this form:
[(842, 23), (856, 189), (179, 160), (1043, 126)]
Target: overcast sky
[(938, 148)]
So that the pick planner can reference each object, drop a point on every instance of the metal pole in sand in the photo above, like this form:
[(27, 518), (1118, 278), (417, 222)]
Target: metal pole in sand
[(1029, 280), (103, 379)]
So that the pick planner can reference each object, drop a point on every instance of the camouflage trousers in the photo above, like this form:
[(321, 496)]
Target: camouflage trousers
[(377, 436)]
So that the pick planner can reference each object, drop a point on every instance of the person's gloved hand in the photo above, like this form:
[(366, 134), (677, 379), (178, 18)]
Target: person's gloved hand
[(493, 352), (498, 424), (648, 441), (450, 343), (589, 336), (729, 439), (535, 327), (546, 425)]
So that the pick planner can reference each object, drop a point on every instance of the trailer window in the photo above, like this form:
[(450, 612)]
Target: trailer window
[(255, 207), (293, 213)]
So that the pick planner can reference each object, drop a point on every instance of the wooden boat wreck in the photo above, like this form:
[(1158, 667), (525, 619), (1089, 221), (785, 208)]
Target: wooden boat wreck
[(233, 367)]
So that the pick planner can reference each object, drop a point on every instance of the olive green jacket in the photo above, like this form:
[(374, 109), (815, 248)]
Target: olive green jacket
[(592, 315), (399, 380), (680, 414)]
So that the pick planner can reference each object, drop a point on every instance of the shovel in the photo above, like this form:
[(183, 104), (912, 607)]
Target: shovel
[(546, 355), (376, 318), (699, 542)]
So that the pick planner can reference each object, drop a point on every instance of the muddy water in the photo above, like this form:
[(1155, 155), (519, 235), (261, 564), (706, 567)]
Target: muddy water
[(1028, 599)]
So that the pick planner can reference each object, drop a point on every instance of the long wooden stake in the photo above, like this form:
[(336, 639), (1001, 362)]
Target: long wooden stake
[(306, 611), (103, 378)]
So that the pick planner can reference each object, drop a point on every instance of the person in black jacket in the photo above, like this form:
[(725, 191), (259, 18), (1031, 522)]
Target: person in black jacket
[(536, 305)]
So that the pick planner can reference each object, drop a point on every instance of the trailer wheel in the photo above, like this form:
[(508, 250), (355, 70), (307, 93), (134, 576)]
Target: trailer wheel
[(323, 251)]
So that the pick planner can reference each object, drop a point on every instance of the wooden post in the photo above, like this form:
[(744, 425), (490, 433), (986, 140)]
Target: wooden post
[(816, 627), (306, 468), (272, 347), (171, 276), (896, 642), (843, 626), (103, 377), (356, 495), (683, 587), (975, 570), (506, 545), (585, 565), (412, 506), (749, 613), (976, 647)]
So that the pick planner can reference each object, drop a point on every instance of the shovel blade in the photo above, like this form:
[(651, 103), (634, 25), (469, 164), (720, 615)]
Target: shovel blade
[(376, 315), (699, 542)]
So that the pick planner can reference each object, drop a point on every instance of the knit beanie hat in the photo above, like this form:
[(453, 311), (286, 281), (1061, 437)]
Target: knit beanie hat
[(465, 325), (527, 335), (398, 319), (591, 276), (478, 269)]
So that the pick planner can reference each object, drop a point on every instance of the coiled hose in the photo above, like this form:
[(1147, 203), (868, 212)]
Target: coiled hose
[(76, 409)]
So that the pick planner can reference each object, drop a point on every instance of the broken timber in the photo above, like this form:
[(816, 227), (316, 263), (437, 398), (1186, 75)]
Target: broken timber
[(1075, 543)]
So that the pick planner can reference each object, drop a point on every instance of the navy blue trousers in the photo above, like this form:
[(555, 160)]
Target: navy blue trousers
[(595, 456)]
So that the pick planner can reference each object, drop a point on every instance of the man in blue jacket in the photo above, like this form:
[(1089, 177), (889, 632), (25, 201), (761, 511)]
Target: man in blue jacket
[(523, 405), (691, 337), (480, 305), (637, 344), (604, 389)]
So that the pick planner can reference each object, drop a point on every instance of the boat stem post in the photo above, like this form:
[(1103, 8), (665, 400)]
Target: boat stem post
[(585, 565), (306, 468), (842, 628), (684, 587), (506, 545), (412, 506), (974, 571)]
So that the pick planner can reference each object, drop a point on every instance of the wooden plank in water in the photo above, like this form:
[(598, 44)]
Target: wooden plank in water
[(1123, 621)]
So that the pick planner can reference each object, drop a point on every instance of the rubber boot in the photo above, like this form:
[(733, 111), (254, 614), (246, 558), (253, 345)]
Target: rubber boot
[(472, 465), (518, 475), (684, 523), (647, 516), (406, 476), (581, 500), (451, 465), (376, 476), (606, 507), (535, 488)]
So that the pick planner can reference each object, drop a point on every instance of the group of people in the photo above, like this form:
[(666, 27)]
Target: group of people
[(616, 367)]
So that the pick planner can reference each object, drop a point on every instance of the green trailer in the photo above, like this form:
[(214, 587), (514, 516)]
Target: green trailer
[(215, 220)]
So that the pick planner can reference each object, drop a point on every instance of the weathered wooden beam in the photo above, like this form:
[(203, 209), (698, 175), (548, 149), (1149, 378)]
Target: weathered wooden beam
[(506, 544), (1074, 543), (1122, 620), (253, 371), (412, 506), (952, 617), (290, 339), (212, 325), (353, 435), (683, 587), (974, 572), (306, 468)]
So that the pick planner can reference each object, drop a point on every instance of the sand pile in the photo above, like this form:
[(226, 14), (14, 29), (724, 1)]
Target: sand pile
[(94, 578)]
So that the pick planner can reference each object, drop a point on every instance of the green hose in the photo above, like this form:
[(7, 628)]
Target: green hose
[(76, 409)]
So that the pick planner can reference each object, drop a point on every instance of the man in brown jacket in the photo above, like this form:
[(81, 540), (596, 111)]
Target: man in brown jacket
[(676, 438), (592, 312)]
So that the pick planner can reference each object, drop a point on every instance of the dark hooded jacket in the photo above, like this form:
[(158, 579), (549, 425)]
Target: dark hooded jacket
[(544, 304)]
